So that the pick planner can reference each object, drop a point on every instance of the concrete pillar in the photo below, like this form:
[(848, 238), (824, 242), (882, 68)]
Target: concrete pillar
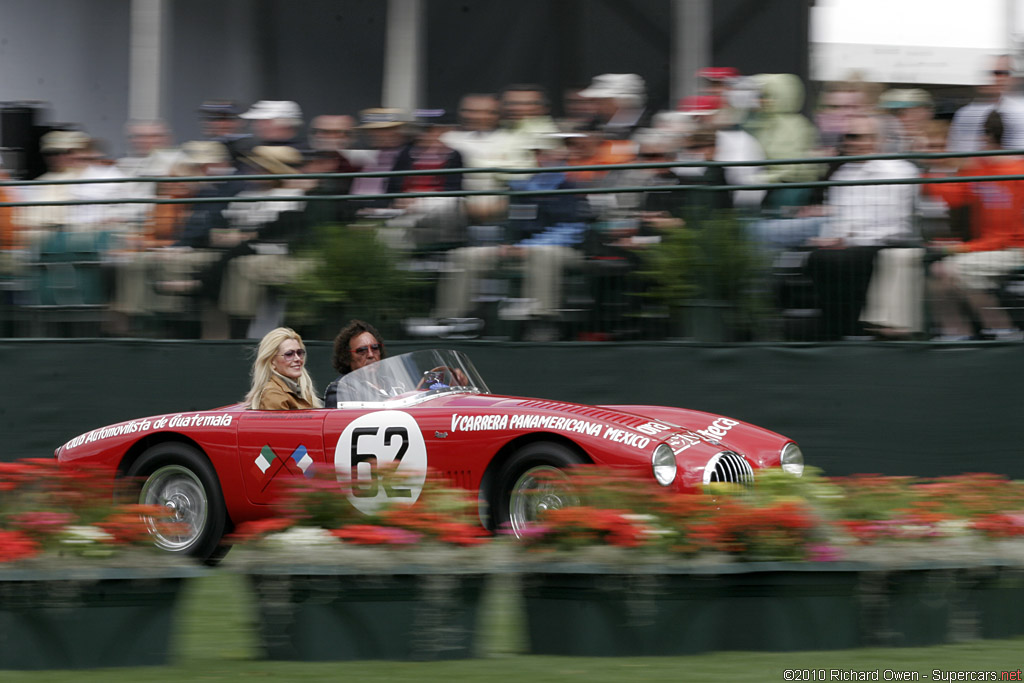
[(148, 57), (404, 55), (691, 45)]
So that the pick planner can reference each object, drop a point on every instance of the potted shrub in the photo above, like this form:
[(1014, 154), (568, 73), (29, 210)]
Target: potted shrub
[(335, 584), (81, 584)]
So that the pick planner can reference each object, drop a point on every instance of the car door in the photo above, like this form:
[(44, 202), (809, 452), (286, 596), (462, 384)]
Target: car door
[(274, 445), (380, 456)]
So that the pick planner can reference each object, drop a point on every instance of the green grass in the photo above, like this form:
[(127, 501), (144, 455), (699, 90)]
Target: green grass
[(216, 641)]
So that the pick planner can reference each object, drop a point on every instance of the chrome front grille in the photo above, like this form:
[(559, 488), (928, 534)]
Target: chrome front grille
[(728, 467)]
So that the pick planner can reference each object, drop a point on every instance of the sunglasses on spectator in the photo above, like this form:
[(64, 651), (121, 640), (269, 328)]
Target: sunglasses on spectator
[(294, 353), (363, 350), (330, 131), (858, 136), (1000, 72)]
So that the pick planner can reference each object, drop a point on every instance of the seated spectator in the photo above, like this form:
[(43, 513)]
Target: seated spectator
[(545, 232), (620, 100), (357, 344), (484, 144), (430, 221), (525, 112), (69, 156), (587, 146), (387, 134), (251, 226), (280, 380), (860, 220), (205, 220), (969, 270), (276, 122), (221, 123), (784, 133), (732, 143)]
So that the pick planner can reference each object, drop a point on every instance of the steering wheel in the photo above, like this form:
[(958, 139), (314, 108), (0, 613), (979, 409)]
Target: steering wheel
[(441, 377)]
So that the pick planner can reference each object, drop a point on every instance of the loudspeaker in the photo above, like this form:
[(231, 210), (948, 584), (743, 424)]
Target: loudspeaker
[(20, 132)]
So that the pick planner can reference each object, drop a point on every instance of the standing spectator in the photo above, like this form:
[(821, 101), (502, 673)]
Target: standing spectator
[(966, 132), (969, 271)]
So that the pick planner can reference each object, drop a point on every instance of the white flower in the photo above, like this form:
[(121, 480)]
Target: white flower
[(301, 537), (81, 534)]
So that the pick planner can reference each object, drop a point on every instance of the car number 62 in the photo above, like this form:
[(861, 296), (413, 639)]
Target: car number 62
[(388, 440)]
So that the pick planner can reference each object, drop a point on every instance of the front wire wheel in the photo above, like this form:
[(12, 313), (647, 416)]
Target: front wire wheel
[(538, 490)]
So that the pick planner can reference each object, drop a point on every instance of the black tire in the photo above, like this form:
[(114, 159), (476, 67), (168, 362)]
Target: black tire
[(179, 476), (532, 480)]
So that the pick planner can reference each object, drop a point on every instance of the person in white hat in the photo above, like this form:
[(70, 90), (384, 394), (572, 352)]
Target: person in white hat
[(276, 122), (620, 103)]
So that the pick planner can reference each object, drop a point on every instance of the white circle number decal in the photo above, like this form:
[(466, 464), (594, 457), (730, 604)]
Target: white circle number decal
[(381, 457)]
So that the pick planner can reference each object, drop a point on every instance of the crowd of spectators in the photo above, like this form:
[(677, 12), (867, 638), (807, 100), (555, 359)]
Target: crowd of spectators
[(878, 259)]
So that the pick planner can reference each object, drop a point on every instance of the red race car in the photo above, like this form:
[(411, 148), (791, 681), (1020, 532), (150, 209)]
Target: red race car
[(423, 411)]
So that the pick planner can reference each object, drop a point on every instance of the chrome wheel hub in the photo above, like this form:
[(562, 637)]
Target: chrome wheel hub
[(181, 493)]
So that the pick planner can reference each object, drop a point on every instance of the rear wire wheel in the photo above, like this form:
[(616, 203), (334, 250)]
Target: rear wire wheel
[(178, 477)]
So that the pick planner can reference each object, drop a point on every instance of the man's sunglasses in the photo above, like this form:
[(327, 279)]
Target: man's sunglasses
[(363, 350)]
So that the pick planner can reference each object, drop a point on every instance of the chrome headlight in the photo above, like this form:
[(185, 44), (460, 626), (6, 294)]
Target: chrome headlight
[(664, 464), (792, 459)]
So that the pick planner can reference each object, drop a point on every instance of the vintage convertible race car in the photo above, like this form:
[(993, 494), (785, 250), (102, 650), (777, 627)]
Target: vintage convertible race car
[(419, 412)]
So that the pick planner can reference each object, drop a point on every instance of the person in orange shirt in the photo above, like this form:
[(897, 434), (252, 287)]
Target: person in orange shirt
[(969, 270), (587, 146)]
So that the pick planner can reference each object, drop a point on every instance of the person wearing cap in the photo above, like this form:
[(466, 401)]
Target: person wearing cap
[(732, 143), (276, 122), (67, 158), (387, 131), (221, 123), (909, 110), (206, 219), (716, 81), (620, 100)]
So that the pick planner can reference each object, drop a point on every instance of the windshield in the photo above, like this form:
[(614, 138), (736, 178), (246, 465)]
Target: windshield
[(410, 378)]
